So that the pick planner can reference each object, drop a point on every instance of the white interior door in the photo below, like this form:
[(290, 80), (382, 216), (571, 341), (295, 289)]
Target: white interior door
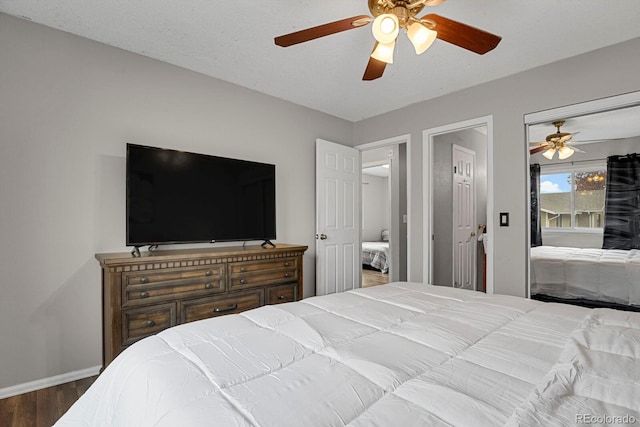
[(337, 217), (464, 218)]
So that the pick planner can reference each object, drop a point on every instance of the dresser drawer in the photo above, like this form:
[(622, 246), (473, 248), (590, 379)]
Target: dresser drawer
[(282, 293), (141, 322), (145, 289), (204, 308), (258, 273), (238, 268), (142, 277)]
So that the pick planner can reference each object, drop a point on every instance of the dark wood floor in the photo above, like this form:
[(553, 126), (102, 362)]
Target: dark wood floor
[(41, 408), (373, 278)]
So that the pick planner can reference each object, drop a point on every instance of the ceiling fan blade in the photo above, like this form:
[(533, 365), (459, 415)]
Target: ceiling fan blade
[(566, 138), (573, 147), (322, 30), (433, 2), (537, 150), (538, 143), (375, 68), (463, 35)]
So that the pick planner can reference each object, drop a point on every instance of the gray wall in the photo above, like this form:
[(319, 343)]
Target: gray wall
[(598, 74), (68, 107), (376, 206)]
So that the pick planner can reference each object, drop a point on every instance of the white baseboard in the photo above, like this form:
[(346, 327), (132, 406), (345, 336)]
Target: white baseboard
[(48, 382)]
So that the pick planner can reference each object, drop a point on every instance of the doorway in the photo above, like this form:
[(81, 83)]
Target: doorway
[(474, 269), (376, 216), (385, 229)]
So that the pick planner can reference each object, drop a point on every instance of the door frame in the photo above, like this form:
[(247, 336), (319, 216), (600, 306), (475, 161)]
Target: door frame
[(394, 219), (428, 141)]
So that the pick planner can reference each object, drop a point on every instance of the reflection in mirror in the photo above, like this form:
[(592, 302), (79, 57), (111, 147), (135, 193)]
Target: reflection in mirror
[(585, 209)]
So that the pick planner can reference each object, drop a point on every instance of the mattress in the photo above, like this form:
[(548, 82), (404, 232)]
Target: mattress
[(609, 275), (402, 354), (376, 255)]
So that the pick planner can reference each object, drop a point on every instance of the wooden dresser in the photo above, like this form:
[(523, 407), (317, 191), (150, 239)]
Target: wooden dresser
[(144, 295)]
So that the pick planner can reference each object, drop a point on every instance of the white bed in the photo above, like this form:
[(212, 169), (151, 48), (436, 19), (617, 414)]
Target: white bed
[(376, 255), (401, 354), (608, 275)]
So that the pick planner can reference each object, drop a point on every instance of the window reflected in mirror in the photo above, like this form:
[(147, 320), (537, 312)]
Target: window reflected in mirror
[(573, 198)]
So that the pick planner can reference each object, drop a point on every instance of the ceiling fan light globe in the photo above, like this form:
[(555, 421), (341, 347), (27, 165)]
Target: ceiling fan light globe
[(384, 52), (565, 152), (549, 153), (421, 37), (385, 28)]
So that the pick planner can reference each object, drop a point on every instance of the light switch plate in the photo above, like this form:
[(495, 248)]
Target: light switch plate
[(504, 219)]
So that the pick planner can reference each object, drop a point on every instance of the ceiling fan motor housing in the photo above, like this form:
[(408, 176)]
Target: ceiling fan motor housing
[(556, 137), (401, 8)]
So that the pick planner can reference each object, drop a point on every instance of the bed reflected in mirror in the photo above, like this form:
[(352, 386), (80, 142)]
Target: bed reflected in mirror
[(585, 208)]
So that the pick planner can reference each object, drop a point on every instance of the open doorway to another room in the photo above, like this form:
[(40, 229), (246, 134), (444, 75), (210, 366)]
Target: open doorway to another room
[(376, 210), (460, 213), (384, 207), (458, 197)]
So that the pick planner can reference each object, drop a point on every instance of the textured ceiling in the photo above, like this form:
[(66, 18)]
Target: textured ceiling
[(233, 41)]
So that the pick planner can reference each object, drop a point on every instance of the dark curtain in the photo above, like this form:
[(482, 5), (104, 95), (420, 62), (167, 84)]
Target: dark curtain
[(536, 225), (622, 203)]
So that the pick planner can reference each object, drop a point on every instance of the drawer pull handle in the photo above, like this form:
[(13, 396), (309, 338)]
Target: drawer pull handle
[(242, 269), (286, 274), (144, 279), (225, 309), (151, 323), (208, 286), (208, 273), (243, 281), (286, 264), (144, 294), (281, 297)]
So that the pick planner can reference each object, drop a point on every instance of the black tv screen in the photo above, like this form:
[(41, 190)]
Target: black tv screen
[(180, 197)]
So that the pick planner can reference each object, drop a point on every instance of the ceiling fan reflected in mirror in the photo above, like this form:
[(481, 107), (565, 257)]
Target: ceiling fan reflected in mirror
[(558, 142), (391, 16)]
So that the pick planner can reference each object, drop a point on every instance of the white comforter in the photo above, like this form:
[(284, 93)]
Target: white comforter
[(395, 355), (610, 275)]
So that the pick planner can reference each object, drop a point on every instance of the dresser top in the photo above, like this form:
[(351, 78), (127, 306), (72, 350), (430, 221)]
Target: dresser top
[(194, 253)]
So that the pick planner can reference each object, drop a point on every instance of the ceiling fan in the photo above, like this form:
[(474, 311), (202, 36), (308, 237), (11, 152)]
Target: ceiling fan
[(389, 16), (556, 142)]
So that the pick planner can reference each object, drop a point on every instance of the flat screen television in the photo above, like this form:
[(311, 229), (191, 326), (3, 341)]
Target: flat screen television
[(180, 197)]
